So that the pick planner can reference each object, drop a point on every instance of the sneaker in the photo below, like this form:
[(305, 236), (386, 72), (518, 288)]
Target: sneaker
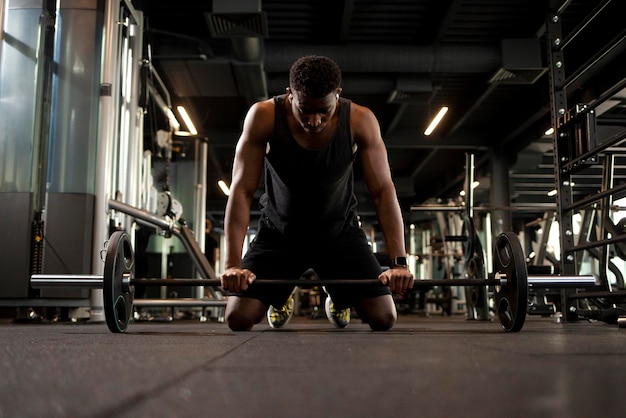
[(278, 317), (340, 319)]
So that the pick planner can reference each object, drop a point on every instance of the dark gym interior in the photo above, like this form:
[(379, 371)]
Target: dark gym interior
[(112, 208)]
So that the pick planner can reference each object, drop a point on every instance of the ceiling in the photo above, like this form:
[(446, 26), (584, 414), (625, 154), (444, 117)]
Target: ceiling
[(484, 59)]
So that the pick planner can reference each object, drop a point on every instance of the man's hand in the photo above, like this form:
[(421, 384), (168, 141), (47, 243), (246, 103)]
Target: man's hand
[(237, 279), (399, 279)]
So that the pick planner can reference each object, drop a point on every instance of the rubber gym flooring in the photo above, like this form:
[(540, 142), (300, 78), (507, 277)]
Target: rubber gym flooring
[(424, 367)]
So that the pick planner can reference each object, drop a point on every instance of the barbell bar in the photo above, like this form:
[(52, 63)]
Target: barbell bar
[(92, 281), (510, 280)]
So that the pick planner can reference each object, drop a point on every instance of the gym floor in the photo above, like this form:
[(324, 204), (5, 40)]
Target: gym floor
[(426, 366)]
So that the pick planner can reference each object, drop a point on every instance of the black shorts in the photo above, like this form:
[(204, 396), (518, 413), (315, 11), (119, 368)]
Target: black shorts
[(271, 255)]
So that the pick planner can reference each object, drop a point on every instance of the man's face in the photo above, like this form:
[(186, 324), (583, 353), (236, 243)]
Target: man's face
[(313, 114)]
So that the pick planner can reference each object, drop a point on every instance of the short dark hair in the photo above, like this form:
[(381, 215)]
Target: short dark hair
[(315, 76)]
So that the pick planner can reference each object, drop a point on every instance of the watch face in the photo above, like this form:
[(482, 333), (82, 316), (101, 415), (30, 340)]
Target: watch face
[(399, 261)]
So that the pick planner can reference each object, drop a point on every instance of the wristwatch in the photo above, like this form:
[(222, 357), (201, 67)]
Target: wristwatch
[(399, 262)]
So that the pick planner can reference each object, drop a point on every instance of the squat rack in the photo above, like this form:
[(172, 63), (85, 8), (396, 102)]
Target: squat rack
[(579, 148)]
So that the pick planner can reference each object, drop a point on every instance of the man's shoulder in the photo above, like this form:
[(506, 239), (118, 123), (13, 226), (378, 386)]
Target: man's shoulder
[(360, 114), (259, 122), (263, 107), (363, 124), (360, 110)]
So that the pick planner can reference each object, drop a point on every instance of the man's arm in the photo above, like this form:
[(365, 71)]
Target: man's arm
[(247, 168), (377, 174)]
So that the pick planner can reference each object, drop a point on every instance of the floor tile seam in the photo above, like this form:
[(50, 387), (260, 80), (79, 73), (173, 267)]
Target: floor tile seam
[(142, 397)]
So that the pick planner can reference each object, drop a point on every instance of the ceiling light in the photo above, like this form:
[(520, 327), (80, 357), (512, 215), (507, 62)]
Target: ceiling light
[(224, 187), (436, 120), (552, 192), (549, 132), (187, 119)]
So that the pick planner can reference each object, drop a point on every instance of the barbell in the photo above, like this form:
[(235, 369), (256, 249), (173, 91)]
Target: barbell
[(510, 282)]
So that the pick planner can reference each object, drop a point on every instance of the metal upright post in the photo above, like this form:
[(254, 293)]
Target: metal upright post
[(561, 145), (106, 136), (500, 195), (201, 148), (469, 181)]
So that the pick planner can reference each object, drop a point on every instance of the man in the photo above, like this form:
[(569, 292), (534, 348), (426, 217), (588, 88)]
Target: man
[(307, 140)]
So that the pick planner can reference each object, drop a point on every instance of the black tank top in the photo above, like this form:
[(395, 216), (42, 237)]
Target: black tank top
[(309, 193)]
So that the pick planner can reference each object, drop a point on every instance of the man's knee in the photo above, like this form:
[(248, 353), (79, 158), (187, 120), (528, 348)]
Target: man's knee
[(379, 312), (238, 322), (243, 313), (382, 322)]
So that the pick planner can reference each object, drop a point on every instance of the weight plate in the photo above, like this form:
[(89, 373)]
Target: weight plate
[(469, 233), (476, 270), (118, 296), (511, 298), (476, 296)]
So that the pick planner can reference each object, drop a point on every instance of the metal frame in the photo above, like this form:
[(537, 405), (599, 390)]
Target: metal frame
[(577, 148)]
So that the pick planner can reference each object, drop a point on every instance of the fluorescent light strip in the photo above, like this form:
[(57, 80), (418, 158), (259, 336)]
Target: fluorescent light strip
[(187, 119), (436, 121), (224, 187)]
